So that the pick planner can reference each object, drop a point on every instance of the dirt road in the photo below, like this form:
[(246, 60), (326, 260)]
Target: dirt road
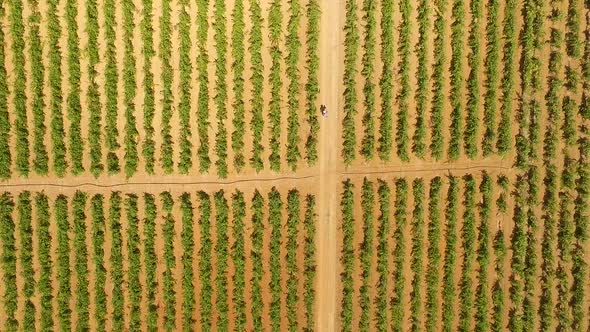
[(330, 92)]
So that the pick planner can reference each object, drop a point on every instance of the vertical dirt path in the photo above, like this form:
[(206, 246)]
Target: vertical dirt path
[(330, 92)]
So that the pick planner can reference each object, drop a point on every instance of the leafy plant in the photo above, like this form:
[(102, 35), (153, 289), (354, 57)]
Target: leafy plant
[(468, 236), (492, 66), (368, 60), (40, 160), (169, 262), (291, 62), (275, 18), (10, 296), (111, 89), (116, 261), (256, 238), (417, 253), (149, 260), (203, 98), (456, 95), (309, 261), (257, 79), (205, 261), (238, 255), (5, 155), (44, 284), (238, 65), (64, 291), (165, 54), (382, 300), (347, 255), (134, 261), (351, 46), (93, 104), (98, 239), (403, 97), (148, 146), (184, 89), (274, 220), (220, 88), (449, 289), (221, 250), (81, 260), (366, 255), (401, 193), (438, 71), (473, 90), (188, 245), (26, 258), (130, 90), (312, 86), (434, 256), (292, 296), (73, 99), (422, 50)]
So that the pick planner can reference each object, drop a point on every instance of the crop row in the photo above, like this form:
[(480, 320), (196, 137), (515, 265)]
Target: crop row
[(452, 285), (117, 220)]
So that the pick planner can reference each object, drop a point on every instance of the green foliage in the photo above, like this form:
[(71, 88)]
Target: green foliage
[(422, 50), (111, 89), (386, 82), (275, 18), (382, 300), (403, 97), (291, 62), (148, 146), (468, 236), (149, 260), (9, 296), (274, 220), (205, 260), (169, 262), (482, 305), (438, 72), (238, 65), (309, 262), (100, 275), (473, 81), (165, 55), (450, 262), (44, 284), (492, 66), (572, 37), (366, 254), (40, 160), (417, 254), (26, 258), (238, 255), (5, 155), (203, 98), (351, 50), (81, 261), (504, 142), (401, 193), (368, 60), (184, 89), (19, 98), (312, 86), (292, 296), (519, 245), (73, 99), (347, 255), (64, 312), (130, 90), (257, 80), (434, 256), (93, 104), (116, 261), (134, 261), (221, 250), (220, 87), (256, 238), (188, 246), (456, 97)]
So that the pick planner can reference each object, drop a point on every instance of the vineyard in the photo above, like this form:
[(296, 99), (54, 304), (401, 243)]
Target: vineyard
[(164, 165)]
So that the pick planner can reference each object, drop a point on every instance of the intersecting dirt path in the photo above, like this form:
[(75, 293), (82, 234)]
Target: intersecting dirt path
[(330, 92)]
